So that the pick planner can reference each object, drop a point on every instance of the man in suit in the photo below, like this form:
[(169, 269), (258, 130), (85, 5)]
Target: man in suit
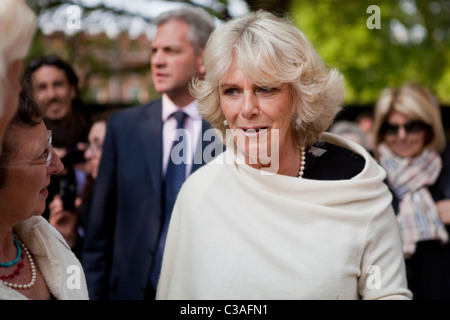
[(127, 213)]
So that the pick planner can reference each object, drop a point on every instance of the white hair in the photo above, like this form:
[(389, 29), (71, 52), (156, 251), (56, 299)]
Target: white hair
[(271, 50), (18, 25)]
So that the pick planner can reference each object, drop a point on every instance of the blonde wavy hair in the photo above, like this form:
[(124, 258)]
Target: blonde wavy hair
[(271, 51), (18, 25), (417, 104)]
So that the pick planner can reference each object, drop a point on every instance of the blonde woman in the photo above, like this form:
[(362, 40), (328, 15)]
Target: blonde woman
[(288, 212), (411, 146), (17, 27)]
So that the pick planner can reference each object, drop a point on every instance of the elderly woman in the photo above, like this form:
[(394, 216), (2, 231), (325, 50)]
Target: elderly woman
[(410, 144), (17, 25), (35, 261), (288, 212)]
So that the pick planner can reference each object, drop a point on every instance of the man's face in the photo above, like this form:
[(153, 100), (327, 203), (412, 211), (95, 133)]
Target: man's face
[(53, 92), (174, 61)]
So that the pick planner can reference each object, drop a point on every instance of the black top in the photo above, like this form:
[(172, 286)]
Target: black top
[(325, 161), (428, 270), (68, 132), (440, 190)]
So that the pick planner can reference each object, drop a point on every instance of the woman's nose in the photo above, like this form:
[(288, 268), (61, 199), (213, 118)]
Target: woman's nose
[(401, 132), (55, 166), (250, 105)]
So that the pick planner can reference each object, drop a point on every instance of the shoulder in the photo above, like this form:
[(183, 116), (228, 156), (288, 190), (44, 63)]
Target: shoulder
[(40, 228), (152, 107), (445, 155), (206, 172), (202, 178), (441, 188), (328, 161)]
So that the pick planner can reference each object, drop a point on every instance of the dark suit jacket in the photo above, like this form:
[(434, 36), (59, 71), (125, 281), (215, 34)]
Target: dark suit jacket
[(126, 213)]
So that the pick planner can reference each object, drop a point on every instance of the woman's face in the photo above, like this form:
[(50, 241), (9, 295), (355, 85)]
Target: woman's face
[(406, 138), (25, 189), (93, 153), (257, 113)]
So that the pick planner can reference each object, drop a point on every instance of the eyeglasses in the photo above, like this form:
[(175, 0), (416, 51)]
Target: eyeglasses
[(409, 127), (46, 157)]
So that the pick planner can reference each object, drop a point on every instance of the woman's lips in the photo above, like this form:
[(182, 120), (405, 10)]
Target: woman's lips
[(252, 131), (161, 76), (44, 192)]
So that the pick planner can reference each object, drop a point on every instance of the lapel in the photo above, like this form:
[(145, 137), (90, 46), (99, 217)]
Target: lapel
[(150, 129), (151, 135)]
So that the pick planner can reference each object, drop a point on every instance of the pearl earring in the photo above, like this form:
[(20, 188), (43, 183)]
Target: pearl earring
[(225, 122)]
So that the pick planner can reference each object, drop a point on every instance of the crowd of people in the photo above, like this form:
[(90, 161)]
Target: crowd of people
[(237, 183)]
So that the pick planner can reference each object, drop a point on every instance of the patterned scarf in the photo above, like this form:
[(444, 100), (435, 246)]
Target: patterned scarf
[(409, 179)]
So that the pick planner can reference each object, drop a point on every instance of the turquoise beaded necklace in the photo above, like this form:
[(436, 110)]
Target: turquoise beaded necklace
[(19, 253)]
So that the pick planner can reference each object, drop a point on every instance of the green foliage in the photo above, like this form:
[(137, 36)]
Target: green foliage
[(372, 59)]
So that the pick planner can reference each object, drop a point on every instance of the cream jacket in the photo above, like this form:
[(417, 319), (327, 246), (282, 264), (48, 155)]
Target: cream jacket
[(60, 268), (238, 234)]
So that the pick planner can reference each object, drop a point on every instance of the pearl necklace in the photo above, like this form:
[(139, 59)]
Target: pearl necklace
[(302, 163), (33, 271)]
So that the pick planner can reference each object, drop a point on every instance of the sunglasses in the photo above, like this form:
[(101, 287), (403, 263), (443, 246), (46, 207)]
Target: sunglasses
[(409, 127)]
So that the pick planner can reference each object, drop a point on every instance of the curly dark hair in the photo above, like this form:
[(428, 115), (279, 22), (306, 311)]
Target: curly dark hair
[(55, 61)]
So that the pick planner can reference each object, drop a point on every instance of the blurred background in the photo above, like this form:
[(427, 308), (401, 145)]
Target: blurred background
[(374, 43)]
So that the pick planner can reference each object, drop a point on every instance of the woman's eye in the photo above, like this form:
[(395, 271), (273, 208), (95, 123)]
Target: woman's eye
[(44, 155), (265, 89), (230, 91)]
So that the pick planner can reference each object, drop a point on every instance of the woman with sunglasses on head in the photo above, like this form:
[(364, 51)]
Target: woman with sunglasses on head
[(35, 260), (410, 143)]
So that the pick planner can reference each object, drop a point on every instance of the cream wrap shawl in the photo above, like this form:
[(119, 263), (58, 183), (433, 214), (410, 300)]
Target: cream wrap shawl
[(57, 263), (238, 234)]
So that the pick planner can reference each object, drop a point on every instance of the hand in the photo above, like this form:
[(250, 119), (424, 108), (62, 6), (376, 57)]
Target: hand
[(63, 220), (443, 207)]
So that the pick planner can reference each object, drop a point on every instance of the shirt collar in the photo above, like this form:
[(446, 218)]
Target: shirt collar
[(169, 107)]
